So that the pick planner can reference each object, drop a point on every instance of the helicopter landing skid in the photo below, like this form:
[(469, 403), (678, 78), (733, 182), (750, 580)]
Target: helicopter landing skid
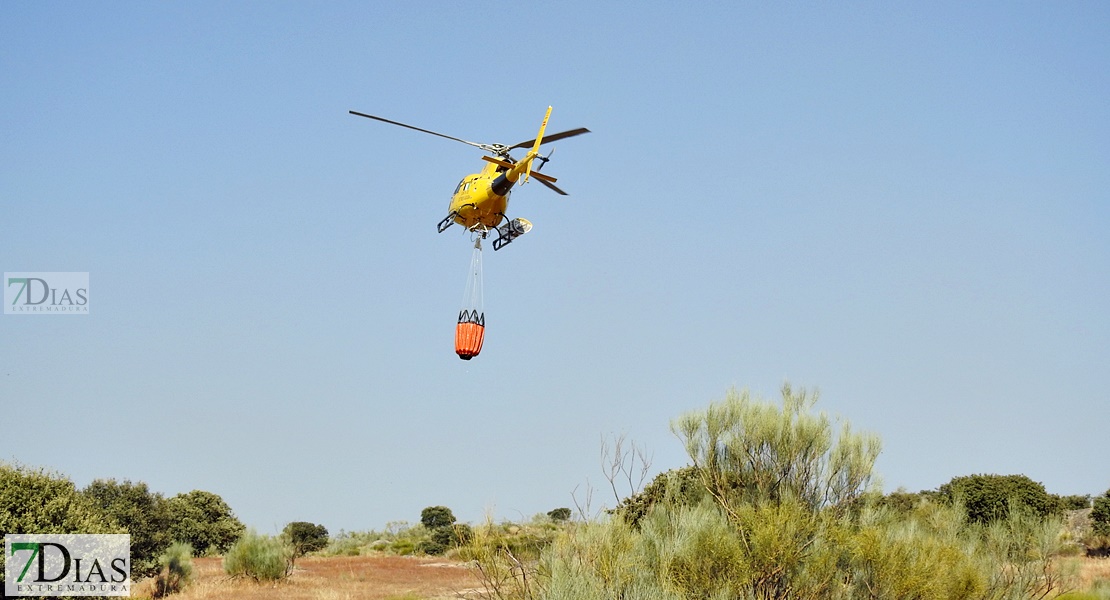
[(447, 221)]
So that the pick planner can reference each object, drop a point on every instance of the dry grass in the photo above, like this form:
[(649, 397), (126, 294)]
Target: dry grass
[(1093, 571), (335, 578), (402, 578)]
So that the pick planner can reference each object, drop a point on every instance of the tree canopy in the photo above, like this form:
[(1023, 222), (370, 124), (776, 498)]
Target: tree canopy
[(988, 498), (204, 521)]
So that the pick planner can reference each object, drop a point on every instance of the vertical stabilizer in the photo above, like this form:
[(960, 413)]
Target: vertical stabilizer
[(536, 147)]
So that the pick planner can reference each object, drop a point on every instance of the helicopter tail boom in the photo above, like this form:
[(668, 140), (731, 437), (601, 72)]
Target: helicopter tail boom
[(508, 165)]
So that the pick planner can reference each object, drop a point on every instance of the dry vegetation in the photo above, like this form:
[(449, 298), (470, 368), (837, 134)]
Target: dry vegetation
[(1093, 573), (336, 578), (384, 577)]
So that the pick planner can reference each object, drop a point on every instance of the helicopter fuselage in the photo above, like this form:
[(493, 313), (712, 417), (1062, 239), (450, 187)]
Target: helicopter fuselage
[(480, 200)]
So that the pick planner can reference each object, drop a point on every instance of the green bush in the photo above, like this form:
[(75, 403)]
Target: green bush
[(559, 514), (176, 570), (1100, 515), (143, 513), (988, 498), (40, 501), (204, 521), (436, 516), (260, 557), (786, 514), (442, 532), (695, 551), (303, 537), (431, 547), (452, 536), (1075, 502), (403, 547), (677, 487), (749, 451)]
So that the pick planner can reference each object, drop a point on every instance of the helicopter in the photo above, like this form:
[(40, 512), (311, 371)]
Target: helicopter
[(480, 199)]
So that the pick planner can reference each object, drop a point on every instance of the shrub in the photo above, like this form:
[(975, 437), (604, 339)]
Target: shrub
[(451, 537), (988, 498), (431, 547), (176, 570), (260, 557), (1020, 550), (403, 547), (304, 537), (900, 501), (678, 487), (695, 550), (1076, 502), (505, 558), (1100, 515), (461, 534), (443, 533), (144, 514), (748, 451), (40, 501), (784, 516), (204, 521)]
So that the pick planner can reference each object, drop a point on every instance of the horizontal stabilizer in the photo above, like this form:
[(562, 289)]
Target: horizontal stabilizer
[(509, 165)]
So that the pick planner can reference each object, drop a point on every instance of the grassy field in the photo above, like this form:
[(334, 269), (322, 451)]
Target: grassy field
[(336, 578), (384, 577), (1093, 572)]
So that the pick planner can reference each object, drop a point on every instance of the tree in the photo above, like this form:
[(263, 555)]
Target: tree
[(204, 521), (436, 516), (989, 498), (450, 536), (1076, 502), (559, 514), (1100, 515), (304, 537), (142, 513), (41, 501), (442, 530)]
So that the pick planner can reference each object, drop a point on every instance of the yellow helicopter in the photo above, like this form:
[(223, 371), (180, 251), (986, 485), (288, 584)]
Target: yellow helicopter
[(480, 200)]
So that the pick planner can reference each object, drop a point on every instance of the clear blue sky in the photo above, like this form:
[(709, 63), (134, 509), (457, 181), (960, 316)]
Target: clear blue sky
[(904, 205)]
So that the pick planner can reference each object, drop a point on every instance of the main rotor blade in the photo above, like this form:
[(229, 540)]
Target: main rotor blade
[(551, 185), (476, 145), (551, 137)]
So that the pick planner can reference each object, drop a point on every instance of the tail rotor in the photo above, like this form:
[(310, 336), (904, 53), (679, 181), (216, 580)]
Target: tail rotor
[(543, 159)]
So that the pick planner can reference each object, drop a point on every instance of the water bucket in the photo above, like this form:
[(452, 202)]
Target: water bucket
[(468, 339)]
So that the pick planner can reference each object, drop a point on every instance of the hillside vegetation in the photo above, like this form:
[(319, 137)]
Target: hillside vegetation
[(778, 501)]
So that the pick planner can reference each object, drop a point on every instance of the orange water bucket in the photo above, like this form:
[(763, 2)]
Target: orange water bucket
[(468, 339)]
